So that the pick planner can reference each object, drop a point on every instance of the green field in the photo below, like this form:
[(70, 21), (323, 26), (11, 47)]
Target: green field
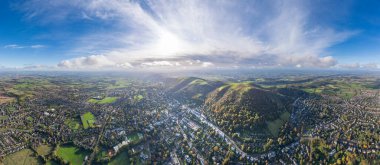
[(341, 88), (107, 100), (51, 162), (119, 84), (22, 157), (44, 150), (120, 158), (88, 120), (274, 126), (135, 138), (72, 124), (3, 117), (102, 154), (199, 82), (71, 154), (138, 97)]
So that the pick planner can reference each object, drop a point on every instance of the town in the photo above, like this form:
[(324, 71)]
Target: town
[(47, 119)]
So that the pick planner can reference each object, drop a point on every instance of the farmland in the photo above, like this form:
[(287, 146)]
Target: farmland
[(88, 120)]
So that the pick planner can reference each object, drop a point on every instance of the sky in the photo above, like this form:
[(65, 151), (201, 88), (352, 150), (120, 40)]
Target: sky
[(189, 34)]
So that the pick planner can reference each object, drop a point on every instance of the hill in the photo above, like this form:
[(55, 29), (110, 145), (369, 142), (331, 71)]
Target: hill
[(193, 88), (245, 107)]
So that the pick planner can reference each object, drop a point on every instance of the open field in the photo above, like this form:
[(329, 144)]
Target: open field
[(23, 157), (119, 84), (88, 120), (4, 99), (135, 138), (71, 154), (138, 97), (107, 100), (73, 124), (3, 117), (121, 158), (44, 150)]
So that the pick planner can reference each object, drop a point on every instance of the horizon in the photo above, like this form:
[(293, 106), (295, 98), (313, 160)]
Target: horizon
[(189, 35)]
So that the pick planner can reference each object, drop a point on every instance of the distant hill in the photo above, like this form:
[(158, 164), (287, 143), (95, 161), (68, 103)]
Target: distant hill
[(245, 107), (194, 88)]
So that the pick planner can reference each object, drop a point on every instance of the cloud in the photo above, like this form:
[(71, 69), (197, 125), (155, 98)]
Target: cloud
[(219, 33), (37, 46), (157, 63), (207, 64), (360, 66), (15, 46), (93, 61)]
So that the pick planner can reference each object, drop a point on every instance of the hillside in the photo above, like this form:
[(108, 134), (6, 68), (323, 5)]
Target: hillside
[(194, 88), (245, 107)]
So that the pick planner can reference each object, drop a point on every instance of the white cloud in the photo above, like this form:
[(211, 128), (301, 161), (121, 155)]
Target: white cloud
[(15, 46), (37, 46), (93, 61), (124, 65), (270, 33), (360, 66), (157, 63), (207, 64)]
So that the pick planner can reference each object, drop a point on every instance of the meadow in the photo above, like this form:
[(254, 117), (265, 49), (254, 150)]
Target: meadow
[(71, 154), (22, 157), (107, 100)]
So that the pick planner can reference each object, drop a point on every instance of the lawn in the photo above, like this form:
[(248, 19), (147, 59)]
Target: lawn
[(135, 138), (120, 158), (3, 117), (22, 157), (44, 150), (274, 126), (71, 154), (72, 124), (138, 97), (107, 100), (88, 120)]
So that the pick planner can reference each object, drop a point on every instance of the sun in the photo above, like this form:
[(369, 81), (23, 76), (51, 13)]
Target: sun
[(168, 44)]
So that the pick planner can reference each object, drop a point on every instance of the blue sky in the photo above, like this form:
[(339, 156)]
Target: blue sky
[(121, 34)]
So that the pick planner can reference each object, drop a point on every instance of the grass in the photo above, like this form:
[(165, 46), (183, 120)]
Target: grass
[(44, 150), (241, 87), (88, 120), (197, 96), (72, 124), (29, 118), (274, 126), (135, 138), (3, 117), (71, 154), (119, 84), (344, 89), (138, 97), (51, 162), (107, 100), (120, 158), (4, 99), (199, 82), (21, 157), (102, 154)]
